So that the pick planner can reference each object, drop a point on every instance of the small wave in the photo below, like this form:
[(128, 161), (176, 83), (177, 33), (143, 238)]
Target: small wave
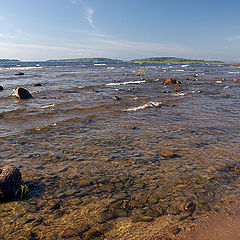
[(177, 70), (99, 64), (225, 87), (20, 68), (141, 107), (218, 81), (233, 72), (47, 106), (67, 75), (185, 66), (125, 83), (179, 94)]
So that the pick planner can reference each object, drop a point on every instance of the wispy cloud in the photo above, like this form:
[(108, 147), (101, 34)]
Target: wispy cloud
[(75, 1), (89, 16), (7, 36), (234, 38)]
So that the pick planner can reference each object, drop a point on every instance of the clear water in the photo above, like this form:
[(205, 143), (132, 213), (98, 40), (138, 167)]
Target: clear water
[(96, 165)]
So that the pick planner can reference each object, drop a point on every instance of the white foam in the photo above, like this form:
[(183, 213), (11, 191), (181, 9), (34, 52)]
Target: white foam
[(47, 106), (233, 72), (125, 83), (225, 87), (99, 64), (218, 81), (141, 107), (185, 66), (179, 94), (20, 68)]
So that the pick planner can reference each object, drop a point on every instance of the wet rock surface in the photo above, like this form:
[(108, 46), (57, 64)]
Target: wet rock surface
[(23, 93), (10, 182)]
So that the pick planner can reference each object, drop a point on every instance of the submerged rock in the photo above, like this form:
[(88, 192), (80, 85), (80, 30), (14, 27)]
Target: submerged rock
[(23, 93), (10, 182), (167, 153), (1, 88)]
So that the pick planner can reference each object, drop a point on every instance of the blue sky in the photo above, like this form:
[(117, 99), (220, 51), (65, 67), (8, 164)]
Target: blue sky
[(123, 29)]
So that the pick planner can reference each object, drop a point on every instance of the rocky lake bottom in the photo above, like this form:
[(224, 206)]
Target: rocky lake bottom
[(110, 155)]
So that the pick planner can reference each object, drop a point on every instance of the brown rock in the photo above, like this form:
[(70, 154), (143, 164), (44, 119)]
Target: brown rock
[(22, 93), (177, 89), (171, 81), (10, 182)]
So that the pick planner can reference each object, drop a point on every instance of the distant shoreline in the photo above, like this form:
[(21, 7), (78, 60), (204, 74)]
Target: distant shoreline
[(152, 60)]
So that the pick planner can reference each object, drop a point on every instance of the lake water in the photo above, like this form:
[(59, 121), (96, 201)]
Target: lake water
[(94, 146)]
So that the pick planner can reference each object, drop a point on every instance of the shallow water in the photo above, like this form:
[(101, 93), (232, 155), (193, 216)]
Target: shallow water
[(96, 166)]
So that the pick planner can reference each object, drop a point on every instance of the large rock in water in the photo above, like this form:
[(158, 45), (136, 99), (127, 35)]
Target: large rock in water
[(23, 93), (10, 182), (1, 88)]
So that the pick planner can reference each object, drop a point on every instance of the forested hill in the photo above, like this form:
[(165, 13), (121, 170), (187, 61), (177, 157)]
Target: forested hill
[(8, 60), (86, 60), (162, 60)]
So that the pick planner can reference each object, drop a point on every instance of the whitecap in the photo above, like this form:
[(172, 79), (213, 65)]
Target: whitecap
[(141, 107), (233, 72), (124, 83), (179, 94), (47, 106), (19, 68), (99, 64)]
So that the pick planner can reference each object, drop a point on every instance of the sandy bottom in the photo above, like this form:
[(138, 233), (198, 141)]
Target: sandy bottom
[(224, 225)]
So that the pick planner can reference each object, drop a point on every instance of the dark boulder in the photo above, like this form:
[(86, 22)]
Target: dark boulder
[(22, 93), (10, 182), (171, 82), (37, 85), (19, 74), (1, 88)]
